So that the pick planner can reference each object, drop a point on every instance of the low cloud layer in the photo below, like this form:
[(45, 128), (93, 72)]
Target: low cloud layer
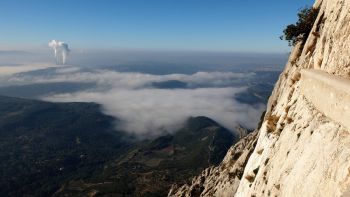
[(6, 70), (132, 80), (147, 110), (150, 111)]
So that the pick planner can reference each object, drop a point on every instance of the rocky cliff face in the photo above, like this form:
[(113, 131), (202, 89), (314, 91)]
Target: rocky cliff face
[(303, 145)]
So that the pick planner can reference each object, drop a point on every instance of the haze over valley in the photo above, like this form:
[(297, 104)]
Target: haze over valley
[(162, 118), (142, 95)]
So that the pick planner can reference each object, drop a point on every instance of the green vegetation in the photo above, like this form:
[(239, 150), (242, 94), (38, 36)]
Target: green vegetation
[(300, 31), (72, 149), (154, 165), (46, 144)]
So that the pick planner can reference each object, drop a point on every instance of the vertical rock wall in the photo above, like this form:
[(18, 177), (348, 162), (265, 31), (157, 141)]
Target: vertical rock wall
[(298, 151), (304, 152)]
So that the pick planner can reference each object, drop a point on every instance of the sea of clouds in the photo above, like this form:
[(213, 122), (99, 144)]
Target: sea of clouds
[(143, 108)]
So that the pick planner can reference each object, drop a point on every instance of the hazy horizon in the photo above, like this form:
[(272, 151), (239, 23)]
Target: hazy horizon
[(141, 60), (146, 57)]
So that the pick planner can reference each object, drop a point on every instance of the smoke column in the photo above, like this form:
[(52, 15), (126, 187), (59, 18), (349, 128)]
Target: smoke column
[(61, 51)]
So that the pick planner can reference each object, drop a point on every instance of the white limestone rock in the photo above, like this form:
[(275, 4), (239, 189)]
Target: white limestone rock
[(300, 151)]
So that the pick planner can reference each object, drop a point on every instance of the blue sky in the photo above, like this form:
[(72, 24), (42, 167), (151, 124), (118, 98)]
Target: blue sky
[(205, 25)]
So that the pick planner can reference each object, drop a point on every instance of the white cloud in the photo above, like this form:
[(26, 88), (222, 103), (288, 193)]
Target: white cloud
[(127, 80), (67, 69), (147, 111), (10, 70)]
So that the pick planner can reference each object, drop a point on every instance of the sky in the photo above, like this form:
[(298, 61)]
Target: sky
[(181, 25)]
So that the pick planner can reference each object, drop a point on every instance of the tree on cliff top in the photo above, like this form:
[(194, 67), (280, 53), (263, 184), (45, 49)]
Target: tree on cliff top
[(300, 31)]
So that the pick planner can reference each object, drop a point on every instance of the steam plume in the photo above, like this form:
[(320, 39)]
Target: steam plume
[(61, 51)]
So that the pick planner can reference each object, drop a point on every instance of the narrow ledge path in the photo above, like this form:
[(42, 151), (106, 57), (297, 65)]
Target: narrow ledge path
[(330, 94)]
